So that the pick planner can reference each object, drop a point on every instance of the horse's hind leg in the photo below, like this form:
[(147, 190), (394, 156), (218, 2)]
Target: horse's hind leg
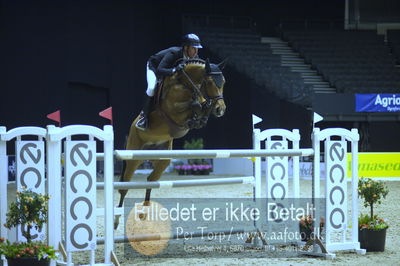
[(158, 168), (127, 172), (129, 167)]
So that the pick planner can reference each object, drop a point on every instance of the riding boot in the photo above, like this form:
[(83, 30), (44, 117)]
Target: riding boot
[(143, 122)]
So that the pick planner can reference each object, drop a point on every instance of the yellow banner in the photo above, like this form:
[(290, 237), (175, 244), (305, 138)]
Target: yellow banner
[(372, 164)]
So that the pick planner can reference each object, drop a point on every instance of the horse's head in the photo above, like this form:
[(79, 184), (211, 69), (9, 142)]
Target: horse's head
[(205, 82), (214, 87)]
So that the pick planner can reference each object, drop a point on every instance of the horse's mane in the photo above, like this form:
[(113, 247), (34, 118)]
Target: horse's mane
[(197, 63), (192, 61)]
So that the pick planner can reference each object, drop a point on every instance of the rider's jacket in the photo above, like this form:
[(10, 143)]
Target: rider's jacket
[(163, 62)]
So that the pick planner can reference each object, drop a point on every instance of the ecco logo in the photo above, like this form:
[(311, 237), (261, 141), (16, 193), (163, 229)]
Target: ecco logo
[(80, 160), (337, 180), (277, 183), (30, 171)]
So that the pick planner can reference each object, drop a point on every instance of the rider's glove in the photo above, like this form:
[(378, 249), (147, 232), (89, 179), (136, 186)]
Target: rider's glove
[(179, 67)]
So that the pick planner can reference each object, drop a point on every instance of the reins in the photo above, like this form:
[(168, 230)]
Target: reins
[(198, 91), (201, 110)]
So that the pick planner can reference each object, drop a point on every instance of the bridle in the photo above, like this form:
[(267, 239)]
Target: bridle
[(201, 111), (198, 92)]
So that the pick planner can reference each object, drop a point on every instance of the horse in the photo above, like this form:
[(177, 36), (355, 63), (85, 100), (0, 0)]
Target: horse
[(186, 100)]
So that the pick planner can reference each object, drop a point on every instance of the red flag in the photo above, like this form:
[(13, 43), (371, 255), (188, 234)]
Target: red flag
[(107, 113), (56, 116)]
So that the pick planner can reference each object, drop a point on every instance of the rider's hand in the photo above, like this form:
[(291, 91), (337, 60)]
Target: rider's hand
[(179, 67)]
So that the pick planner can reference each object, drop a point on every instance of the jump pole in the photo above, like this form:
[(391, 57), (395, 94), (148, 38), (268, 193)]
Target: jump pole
[(181, 183), (166, 236), (198, 154)]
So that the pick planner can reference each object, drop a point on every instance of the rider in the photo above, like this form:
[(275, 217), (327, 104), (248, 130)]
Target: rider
[(162, 64)]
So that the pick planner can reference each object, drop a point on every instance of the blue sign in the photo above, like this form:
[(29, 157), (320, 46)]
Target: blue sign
[(377, 102)]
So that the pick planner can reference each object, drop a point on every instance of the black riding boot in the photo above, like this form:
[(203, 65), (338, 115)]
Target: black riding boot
[(143, 122)]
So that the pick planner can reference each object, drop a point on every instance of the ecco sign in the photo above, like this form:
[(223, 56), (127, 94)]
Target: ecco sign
[(30, 175), (277, 176), (336, 183), (80, 193)]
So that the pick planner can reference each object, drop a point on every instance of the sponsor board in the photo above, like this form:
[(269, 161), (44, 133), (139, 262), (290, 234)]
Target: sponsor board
[(372, 164), (377, 102)]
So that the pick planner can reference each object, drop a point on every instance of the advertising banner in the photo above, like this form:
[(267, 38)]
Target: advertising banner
[(372, 164), (377, 102)]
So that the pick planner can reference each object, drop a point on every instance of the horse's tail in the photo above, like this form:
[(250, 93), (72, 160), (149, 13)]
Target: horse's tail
[(123, 163), (121, 179)]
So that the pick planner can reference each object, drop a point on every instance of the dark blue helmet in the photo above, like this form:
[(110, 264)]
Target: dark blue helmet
[(191, 39)]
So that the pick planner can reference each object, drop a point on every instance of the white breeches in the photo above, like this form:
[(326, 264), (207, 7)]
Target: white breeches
[(151, 81)]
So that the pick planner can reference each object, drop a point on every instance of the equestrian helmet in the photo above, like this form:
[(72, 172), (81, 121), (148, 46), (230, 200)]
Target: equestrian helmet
[(191, 39)]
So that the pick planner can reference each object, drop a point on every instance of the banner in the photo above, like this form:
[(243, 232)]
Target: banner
[(377, 102), (372, 164)]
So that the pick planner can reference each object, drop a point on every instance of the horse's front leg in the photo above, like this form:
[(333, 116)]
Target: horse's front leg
[(196, 107), (201, 112)]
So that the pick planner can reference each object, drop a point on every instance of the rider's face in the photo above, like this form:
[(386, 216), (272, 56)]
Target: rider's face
[(191, 51)]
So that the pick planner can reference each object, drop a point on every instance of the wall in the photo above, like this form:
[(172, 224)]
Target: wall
[(83, 56)]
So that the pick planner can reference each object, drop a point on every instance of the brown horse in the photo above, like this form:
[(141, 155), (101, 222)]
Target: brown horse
[(186, 100)]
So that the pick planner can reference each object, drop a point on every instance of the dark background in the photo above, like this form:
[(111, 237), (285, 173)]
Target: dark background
[(84, 56)]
